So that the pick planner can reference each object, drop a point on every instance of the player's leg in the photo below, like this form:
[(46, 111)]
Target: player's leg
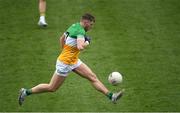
[(56, 81), (53, 85), (42, 11), (84, 71), (42, 7)]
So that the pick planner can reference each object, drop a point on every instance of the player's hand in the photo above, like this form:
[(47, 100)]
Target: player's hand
[(88, 39)]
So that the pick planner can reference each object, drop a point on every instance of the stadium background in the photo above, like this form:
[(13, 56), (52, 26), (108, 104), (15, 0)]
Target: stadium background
[(139, 38)]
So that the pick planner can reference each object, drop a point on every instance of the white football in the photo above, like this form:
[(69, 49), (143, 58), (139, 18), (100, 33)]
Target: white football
[(115, 78)]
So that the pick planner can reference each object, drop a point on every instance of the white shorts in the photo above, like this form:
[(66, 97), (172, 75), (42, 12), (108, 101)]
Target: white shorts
[(63, 69)]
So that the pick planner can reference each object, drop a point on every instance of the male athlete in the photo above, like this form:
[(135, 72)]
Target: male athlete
[(72, 41), (42, 11)]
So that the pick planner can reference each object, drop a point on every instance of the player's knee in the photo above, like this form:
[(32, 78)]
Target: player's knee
[(93, 77), (52, 89), (42, 0)]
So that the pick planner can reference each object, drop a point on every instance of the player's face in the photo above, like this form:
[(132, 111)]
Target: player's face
[(88, 25)]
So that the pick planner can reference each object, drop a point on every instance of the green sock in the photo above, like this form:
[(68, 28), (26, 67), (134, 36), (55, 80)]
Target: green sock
[(28, 92), (109, 95)]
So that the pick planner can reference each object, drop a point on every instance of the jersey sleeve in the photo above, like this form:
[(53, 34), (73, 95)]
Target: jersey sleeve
[(66, 34), (81, 33), (76, 31)]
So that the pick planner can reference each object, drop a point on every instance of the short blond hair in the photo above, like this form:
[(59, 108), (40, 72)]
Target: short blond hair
[(89, 17)]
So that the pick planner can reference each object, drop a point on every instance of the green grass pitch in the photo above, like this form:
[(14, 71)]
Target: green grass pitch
[(139, 38)]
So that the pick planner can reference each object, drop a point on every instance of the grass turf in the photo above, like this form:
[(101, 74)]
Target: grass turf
[(139, 38)]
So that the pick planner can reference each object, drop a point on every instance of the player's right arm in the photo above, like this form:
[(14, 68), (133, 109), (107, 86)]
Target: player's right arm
[(81, 43), (62, 40)]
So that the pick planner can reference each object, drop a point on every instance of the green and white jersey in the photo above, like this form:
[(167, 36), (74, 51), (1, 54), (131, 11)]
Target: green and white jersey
[(70, 51), (76, 30)]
